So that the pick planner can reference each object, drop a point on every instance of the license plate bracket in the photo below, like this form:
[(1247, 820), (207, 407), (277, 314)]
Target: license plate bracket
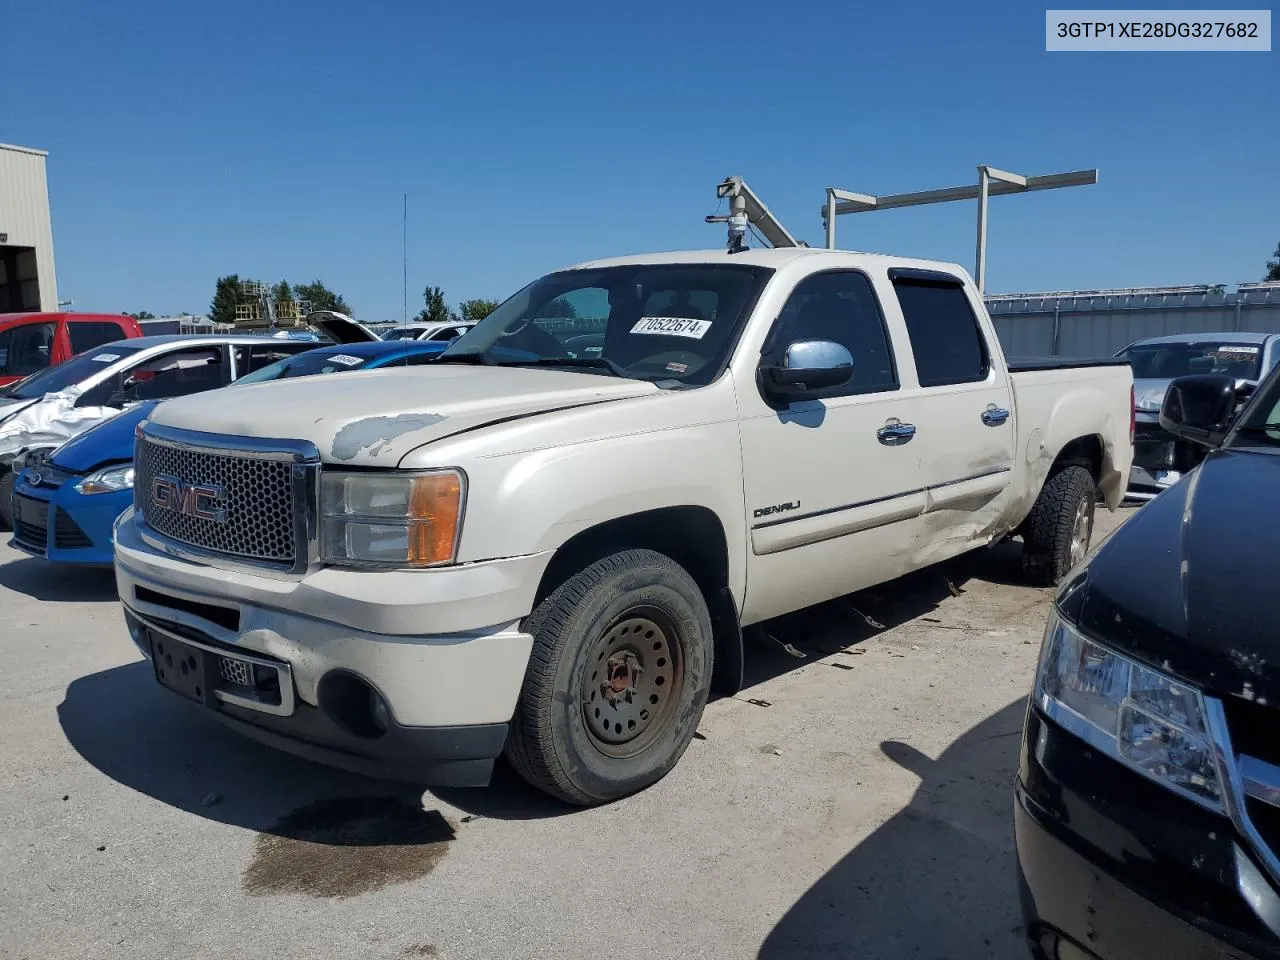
[(186, 670)]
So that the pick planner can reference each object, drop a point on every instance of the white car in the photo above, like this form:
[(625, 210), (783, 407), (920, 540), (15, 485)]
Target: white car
[(429, 331), (405, 572)]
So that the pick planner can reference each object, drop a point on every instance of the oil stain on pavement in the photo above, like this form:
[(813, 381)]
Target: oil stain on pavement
[(348, 846)]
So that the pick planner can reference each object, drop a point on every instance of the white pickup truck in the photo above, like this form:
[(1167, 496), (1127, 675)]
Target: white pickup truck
[(548, 541)]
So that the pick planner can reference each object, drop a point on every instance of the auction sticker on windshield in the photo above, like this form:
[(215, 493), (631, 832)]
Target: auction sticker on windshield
[(345, 359), (106, 358), (672, 327), (1242, 351)]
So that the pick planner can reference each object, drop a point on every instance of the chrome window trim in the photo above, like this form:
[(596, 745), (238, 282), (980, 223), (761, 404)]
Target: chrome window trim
[(305, 488)]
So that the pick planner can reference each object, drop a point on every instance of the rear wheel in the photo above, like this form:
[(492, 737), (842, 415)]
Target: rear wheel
[(617, 680), (1057, 533)]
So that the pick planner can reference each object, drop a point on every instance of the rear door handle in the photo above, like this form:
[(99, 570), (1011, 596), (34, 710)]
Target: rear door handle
[(994, 416), (895, 433)]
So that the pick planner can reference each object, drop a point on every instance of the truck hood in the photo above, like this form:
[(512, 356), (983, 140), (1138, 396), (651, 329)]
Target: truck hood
[(375, 417), (1188, 584)]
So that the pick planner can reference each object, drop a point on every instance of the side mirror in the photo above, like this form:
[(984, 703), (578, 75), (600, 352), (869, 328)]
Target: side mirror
[(808, 366), (1200, 407)]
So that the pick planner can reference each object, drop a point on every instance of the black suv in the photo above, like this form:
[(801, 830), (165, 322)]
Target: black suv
[(1147, 808)]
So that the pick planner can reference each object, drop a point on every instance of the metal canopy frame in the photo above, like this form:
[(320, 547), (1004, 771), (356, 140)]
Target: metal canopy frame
[(992, 182)]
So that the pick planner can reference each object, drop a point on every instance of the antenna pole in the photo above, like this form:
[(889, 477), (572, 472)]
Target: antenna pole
[(404, 247)]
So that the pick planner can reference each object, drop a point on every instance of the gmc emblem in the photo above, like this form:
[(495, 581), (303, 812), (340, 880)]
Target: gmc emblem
[(200, 500)]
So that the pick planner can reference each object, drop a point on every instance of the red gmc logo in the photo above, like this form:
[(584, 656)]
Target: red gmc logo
[(200, 500)]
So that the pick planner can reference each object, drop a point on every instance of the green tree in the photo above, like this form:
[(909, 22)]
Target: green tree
[(141, 315), (436, 309), (476, 310), (226, 294), (559, 309), (282, 292), (1273, 266), (322, 298)]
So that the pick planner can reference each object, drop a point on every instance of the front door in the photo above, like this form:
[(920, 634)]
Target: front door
[(832, 484)]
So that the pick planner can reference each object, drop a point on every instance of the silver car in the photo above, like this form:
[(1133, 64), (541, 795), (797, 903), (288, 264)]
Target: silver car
[(1160, 459)]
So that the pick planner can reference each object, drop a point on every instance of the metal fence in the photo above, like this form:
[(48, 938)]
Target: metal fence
[(1097, 323)]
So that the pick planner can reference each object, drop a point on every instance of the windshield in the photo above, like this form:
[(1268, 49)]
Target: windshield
[(645, 322), (76, 370), (306, 365), (1164, 361), (402, 333)]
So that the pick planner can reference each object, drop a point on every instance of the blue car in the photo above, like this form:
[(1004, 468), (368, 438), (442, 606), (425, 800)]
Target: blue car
[(65, 502)]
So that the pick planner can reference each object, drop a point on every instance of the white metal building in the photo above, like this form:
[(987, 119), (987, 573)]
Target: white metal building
[(26, 233)]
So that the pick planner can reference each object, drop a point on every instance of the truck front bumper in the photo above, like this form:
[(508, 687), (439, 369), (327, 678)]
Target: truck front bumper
[(392, 674)]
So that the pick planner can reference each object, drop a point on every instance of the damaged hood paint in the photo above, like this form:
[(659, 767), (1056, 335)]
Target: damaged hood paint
[(374, 418), (1188, 584)]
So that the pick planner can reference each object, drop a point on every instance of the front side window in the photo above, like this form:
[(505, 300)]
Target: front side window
[(948, 345), (175, 375), (29, 349), (839, 306), (1164, 361), (674, 323)]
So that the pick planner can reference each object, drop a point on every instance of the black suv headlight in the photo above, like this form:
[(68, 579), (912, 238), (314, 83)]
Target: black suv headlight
[(1139, 716)]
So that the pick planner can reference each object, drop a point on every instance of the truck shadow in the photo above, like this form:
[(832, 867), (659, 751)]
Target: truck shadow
[(779, 646), (937, 880), (320, 831), (58, 583)]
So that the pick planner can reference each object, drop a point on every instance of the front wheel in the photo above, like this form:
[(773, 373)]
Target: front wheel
[(1057, 533), (617, 680)]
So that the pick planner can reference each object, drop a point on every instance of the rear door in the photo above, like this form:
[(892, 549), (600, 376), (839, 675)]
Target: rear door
[(961, 409)]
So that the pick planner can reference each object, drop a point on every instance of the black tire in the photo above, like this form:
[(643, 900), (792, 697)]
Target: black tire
[(1050, 534), (6, 500), (556, 740)]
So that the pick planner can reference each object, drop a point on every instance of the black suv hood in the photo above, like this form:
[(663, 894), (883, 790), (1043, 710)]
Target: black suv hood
[(1190, 583)]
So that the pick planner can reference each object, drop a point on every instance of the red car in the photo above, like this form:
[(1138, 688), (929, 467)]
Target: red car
[(29, 342)]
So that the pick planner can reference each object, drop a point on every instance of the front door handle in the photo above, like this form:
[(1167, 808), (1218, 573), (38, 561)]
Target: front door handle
[(895, 433), (994, 416)]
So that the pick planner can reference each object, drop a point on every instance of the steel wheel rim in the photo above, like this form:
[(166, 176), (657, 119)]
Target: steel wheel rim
[(631, 683), (1081, 531)]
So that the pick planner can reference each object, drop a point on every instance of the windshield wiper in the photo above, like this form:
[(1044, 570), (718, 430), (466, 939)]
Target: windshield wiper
[(594, 363)]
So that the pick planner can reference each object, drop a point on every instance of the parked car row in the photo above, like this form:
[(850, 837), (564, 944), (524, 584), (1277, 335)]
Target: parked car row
[(1160, 459)]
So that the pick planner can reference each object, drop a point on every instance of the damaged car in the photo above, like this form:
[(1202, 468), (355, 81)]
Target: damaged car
[(1159, 458)]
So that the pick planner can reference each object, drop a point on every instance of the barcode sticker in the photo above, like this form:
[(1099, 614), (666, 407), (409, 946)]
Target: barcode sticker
[(672, 327)]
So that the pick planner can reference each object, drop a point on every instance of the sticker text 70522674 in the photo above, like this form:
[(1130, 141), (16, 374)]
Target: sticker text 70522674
[(672, 327)]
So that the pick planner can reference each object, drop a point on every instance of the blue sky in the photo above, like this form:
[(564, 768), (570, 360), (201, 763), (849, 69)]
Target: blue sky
[(276, 140)]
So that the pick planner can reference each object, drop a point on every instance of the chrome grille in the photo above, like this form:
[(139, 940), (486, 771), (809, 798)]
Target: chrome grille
[(260, 521), (236, 671)]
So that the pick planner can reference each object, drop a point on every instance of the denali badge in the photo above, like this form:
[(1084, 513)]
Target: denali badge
[(199, 500), (776, 508)]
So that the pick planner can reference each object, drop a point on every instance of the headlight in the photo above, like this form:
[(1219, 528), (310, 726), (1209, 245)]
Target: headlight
[(107, 480), (1149, 722), (391, 519)]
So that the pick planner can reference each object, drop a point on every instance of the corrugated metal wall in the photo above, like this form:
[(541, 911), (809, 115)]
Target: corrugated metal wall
[(1097, 324), (24, 213)]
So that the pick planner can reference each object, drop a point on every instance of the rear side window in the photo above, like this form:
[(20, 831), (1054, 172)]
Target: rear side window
[(87, 334), (255, 357), (945, 338)]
